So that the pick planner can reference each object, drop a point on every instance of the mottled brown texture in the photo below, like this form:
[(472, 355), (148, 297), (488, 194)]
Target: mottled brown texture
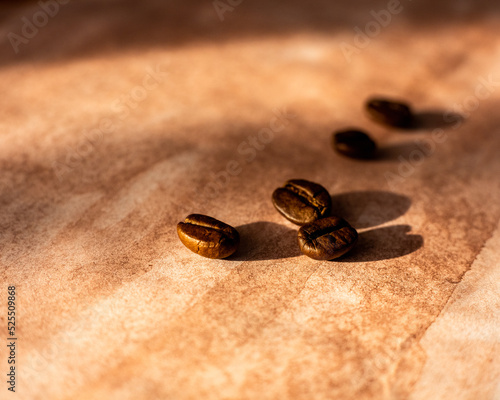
[(208, 236), (113, 306), (301, 201)]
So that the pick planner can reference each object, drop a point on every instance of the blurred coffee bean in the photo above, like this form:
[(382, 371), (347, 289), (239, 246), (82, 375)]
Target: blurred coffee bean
[(354, 143), (390, 112)]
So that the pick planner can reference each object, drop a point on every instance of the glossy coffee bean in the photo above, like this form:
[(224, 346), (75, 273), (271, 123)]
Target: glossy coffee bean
[(354, 143), (390, 112), (207, 236), (327, 238), (302, 201)]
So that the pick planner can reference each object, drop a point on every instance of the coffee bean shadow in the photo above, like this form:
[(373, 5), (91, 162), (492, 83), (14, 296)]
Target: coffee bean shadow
[(384, 244), (433, 119), (264, 240), (396, 152), (366, 209)]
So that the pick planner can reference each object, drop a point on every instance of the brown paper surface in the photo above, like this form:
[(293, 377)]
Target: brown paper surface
[(118, 119)]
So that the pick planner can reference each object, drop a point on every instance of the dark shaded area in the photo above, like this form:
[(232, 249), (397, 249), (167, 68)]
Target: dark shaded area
[(366, 209), (435, 119), (384, 244), (422, 147), (266, 241), (126, 25), (416, 150)]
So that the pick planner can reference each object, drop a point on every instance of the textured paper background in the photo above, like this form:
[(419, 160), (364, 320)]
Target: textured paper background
[(117, 119)]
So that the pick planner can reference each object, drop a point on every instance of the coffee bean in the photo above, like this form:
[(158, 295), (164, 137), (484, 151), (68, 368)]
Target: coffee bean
[(354, 143), (327, 238), (301, 201), (207, 236), (390, 112)]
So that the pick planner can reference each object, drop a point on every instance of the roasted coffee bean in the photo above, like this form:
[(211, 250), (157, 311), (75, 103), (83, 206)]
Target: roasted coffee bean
[(327, 238), (207, 236), (354, 143), (301, 201), (390, 112)]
